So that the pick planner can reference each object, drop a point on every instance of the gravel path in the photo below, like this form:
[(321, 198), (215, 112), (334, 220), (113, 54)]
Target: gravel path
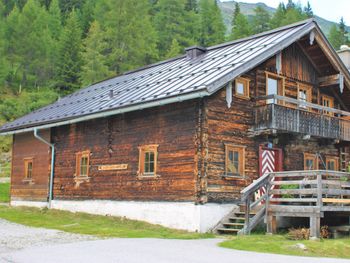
[(14, 237), (21, 244)]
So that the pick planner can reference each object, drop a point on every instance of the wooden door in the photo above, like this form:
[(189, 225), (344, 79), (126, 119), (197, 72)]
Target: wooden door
[(270, 160)]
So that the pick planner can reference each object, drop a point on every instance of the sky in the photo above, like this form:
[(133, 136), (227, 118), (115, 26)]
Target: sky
[(331, 10)]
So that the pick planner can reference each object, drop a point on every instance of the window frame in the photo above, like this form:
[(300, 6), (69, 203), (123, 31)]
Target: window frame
[(336, 162), (26, 162), (142, 152), (78, 157), (280, 86), (308, 89), (310, 156), (331, 104), (246, 89), (241, 159)]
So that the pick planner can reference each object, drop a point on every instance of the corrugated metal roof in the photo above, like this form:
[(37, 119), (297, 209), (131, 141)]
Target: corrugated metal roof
[(171, 78)]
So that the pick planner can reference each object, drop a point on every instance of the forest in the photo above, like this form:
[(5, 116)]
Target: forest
[(50, 48)]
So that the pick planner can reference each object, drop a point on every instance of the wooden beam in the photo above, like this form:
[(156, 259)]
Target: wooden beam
[(309, 58), (336, 200), (339, 100), (328, 80)]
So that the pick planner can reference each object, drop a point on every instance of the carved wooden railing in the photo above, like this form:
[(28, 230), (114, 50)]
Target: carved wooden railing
[(291, 115), (296, 194)]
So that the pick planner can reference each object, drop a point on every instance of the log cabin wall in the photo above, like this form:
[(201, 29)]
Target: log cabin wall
[(231, 126), (115, 140), (27, 148)]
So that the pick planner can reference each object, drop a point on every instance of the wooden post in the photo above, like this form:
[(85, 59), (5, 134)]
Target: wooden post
[(247, 215), (315, 225), (271, 224)]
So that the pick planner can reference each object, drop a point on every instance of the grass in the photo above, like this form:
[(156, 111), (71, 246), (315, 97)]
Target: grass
[(4, 192), (279, 244), (101, 226), (5, 169)]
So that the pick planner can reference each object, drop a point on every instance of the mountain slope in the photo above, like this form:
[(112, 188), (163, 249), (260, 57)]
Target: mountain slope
[(247, 9)]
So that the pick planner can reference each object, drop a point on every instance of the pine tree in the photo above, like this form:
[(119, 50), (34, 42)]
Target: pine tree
[(308, 10), (212, 28), (54, 22), (335, 37), (69, 56), (129, 33), (95, 67), (261, 20), (343, 32), (240, 25), (86, 16), (191, 5), (170, 23), (278, 16), (175, 49)]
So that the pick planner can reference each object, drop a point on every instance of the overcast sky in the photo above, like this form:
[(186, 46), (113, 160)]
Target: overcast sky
[(331, 10)]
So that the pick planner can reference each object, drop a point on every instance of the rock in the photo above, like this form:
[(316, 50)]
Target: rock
[(300, 246)]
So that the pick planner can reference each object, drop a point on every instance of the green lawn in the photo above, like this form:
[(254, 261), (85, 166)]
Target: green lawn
[(102, 226), (4, 192), (279, 244)]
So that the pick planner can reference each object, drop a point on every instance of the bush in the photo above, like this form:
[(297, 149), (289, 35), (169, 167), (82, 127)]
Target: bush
[(325, 232), (298, 233)]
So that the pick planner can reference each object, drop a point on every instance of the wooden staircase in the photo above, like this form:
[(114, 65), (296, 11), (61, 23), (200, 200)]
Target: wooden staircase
[(233, 223)]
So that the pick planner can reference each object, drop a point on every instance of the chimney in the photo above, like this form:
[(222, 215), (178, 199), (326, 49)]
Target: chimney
[(344, 54), (195, 51)]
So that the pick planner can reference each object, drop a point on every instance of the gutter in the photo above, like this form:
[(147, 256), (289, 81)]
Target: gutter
[(52, 146), (114, 112)]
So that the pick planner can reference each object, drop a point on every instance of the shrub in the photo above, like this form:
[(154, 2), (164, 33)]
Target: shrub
[(299, 233), (325, 232)]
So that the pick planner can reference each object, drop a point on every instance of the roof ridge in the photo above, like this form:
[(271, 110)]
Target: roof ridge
[(272, 31)]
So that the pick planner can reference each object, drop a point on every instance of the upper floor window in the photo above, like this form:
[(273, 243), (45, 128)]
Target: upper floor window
[(328, 101), (148, 155), (28, 168), (234, 161), (310, 161), (332, 163), (82, 163), (242, 87), (304, 94), (274, 86)]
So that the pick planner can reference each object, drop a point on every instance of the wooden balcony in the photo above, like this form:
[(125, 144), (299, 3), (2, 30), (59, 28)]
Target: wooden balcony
[(283, 114)]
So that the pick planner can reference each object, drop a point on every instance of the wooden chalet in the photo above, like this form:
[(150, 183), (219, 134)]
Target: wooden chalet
[(262, 121)]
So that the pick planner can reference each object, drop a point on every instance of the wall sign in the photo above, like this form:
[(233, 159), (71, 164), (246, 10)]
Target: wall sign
[(111, 167)]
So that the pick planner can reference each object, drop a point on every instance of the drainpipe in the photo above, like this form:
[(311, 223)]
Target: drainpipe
[(52, 146)]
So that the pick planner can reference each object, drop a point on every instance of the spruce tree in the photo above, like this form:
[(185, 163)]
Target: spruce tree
[(129, 33), (278, 16), (69, 56), (335, 37), (95, 65), (212, 28), (343, 32), (240, 26), (170, 23), (308, 10), (175, 49), (261, 20)]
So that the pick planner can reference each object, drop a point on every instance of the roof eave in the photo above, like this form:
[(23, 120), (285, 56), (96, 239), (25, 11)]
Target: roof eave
[(165, 101)]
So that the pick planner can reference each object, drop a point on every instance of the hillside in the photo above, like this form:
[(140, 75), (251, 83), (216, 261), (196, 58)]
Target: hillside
[(247, 9)]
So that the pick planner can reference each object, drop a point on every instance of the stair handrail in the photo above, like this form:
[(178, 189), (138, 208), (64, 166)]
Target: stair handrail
[(247, 193)]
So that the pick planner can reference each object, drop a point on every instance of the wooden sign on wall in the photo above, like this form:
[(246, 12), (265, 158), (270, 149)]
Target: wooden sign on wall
[(111, 167)]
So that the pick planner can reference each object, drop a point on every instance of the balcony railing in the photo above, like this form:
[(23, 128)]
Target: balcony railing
[(285, 114)]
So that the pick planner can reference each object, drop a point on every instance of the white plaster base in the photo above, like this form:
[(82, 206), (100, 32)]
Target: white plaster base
[(29, 203), (178, 215)]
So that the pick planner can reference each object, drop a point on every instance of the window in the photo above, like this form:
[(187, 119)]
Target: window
[(28, 168), (327, 102), (310, 161), (234, 161), (242, 87), (274, 86), (82, 163), (332, 163), (148, 160), (304, 94)]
